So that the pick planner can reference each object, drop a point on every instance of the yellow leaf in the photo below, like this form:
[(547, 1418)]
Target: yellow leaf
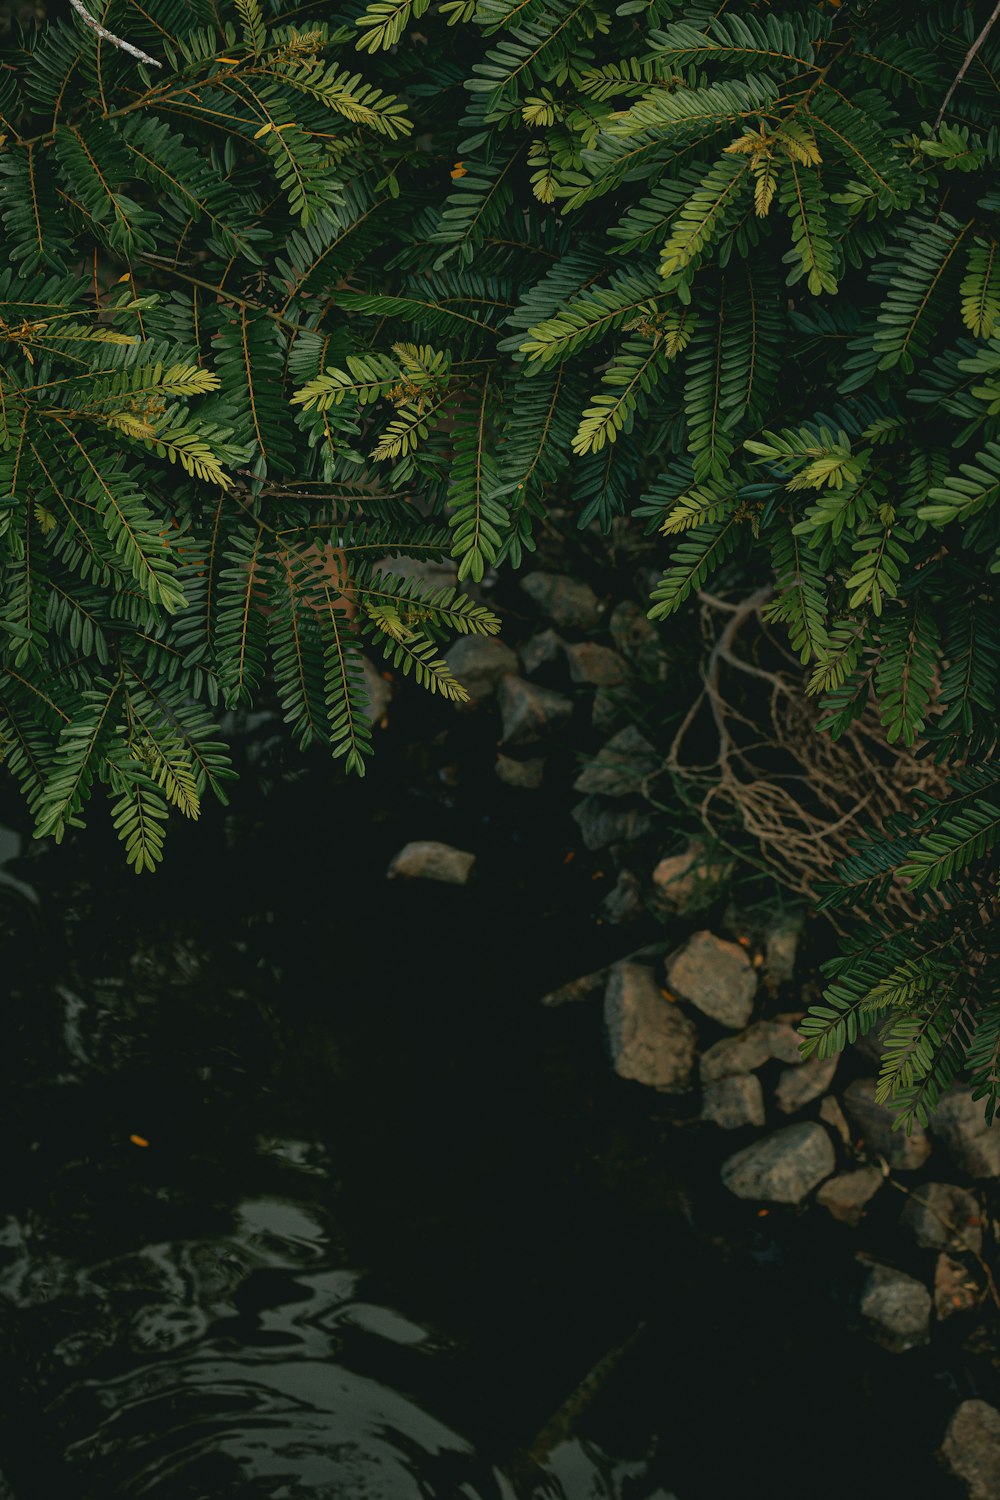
[(264, 130)]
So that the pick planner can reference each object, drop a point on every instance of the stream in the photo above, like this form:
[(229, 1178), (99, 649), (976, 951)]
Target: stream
[(305, 1194)]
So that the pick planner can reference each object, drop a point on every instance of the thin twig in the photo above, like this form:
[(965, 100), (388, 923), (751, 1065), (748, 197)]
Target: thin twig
[(967, 63), (116, 41)]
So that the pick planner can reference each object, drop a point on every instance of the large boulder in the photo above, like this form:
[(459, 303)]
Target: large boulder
[(898, 1308), (566, 601), (716, 977), (620, 768), (529, 712), (734, 1102), (960, 1122), (479, 662), (652, 1041), (426, 860), (781, 1168), (941, 1216), (971, 1448), (874, 1124)]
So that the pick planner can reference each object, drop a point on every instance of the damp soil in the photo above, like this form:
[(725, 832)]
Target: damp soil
[(305, 1194)]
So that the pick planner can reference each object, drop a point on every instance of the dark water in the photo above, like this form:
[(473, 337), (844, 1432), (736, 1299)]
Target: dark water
[(390, 1212)]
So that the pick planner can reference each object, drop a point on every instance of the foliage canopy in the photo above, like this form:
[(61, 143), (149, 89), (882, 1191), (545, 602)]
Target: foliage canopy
[(329, 285)]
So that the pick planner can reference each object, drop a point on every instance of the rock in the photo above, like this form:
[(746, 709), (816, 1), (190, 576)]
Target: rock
[(715, 976), (737, 1054), (583, 988), (960, 1122), (426, 860), (566, 601), (540, 651), (683, 882), (831, 1114), (652, 1041), (954, 1289), (598, 665), (899, 1308), (638, 640), (479, 662), (529, 712), (800, 1084), (734, 1102), (781, 1168), (873, 1122), (436, 572), (602, 825), (620, 767), (607, 711), (781, 947), (846, 1196), (378, 690), (520, 773), (624, 902), (971, 1448), (785, 1041), (937, 1205)]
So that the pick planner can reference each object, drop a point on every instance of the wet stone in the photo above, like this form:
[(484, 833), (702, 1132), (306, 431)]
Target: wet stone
[(620, 768), (800, 1085), (955, 1291), (960, 1121), (781, 1168), (734, 1102), (874, 1124), (426, 860), (479, 662), (594, 664), (652, 1041), (566, 601), (941, 1216), (527, 774), (602, 824), (847, 1196), (971, 1449), (898, 1308), (528, 712), (716, 977)]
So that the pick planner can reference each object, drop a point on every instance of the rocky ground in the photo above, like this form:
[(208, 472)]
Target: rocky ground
[(710, 1021)]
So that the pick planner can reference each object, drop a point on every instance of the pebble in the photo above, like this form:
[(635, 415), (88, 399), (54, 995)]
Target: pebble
[(954, 1289), (781, 1168), (831, 1114), (594, 664), (685, 881), (426, 860), (602, 824), (960, 1121), (716, 977), (874, 1124), (583, 988), (847, 1196), (624, 902), (899, 1308), (652, 1041), (935, 1206), (528, 774), (566, 601), (378, 690), (781, 947), (621, 767), (971, 1448), (479, 662), (638, 639), (540, 651), (734, 1102), (529, 712), (800, 1084)]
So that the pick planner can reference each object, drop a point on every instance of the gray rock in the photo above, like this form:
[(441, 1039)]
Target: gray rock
[(960, 1122), (800, 1084), (737, 1054), (426, 860), (781, 1168), (607, 711), (479, 662), (652, 1041), (971, 1448), (954, 1289), (540, 651), (597, 665), (781, 947), (941, 1216), (638, 640), (566, 601), (378, 690), (734, 1102), (716, 977), (624, 902), (874, 1124), (586, 987), (898, 1307), (684, 882), (528, 774), (620, 767), (786, 1044), (831, 1114), (847, 1196), (528, 713), (602, 824)]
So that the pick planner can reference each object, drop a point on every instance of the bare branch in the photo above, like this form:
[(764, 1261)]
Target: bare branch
[(967, 63), (116, 41)]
